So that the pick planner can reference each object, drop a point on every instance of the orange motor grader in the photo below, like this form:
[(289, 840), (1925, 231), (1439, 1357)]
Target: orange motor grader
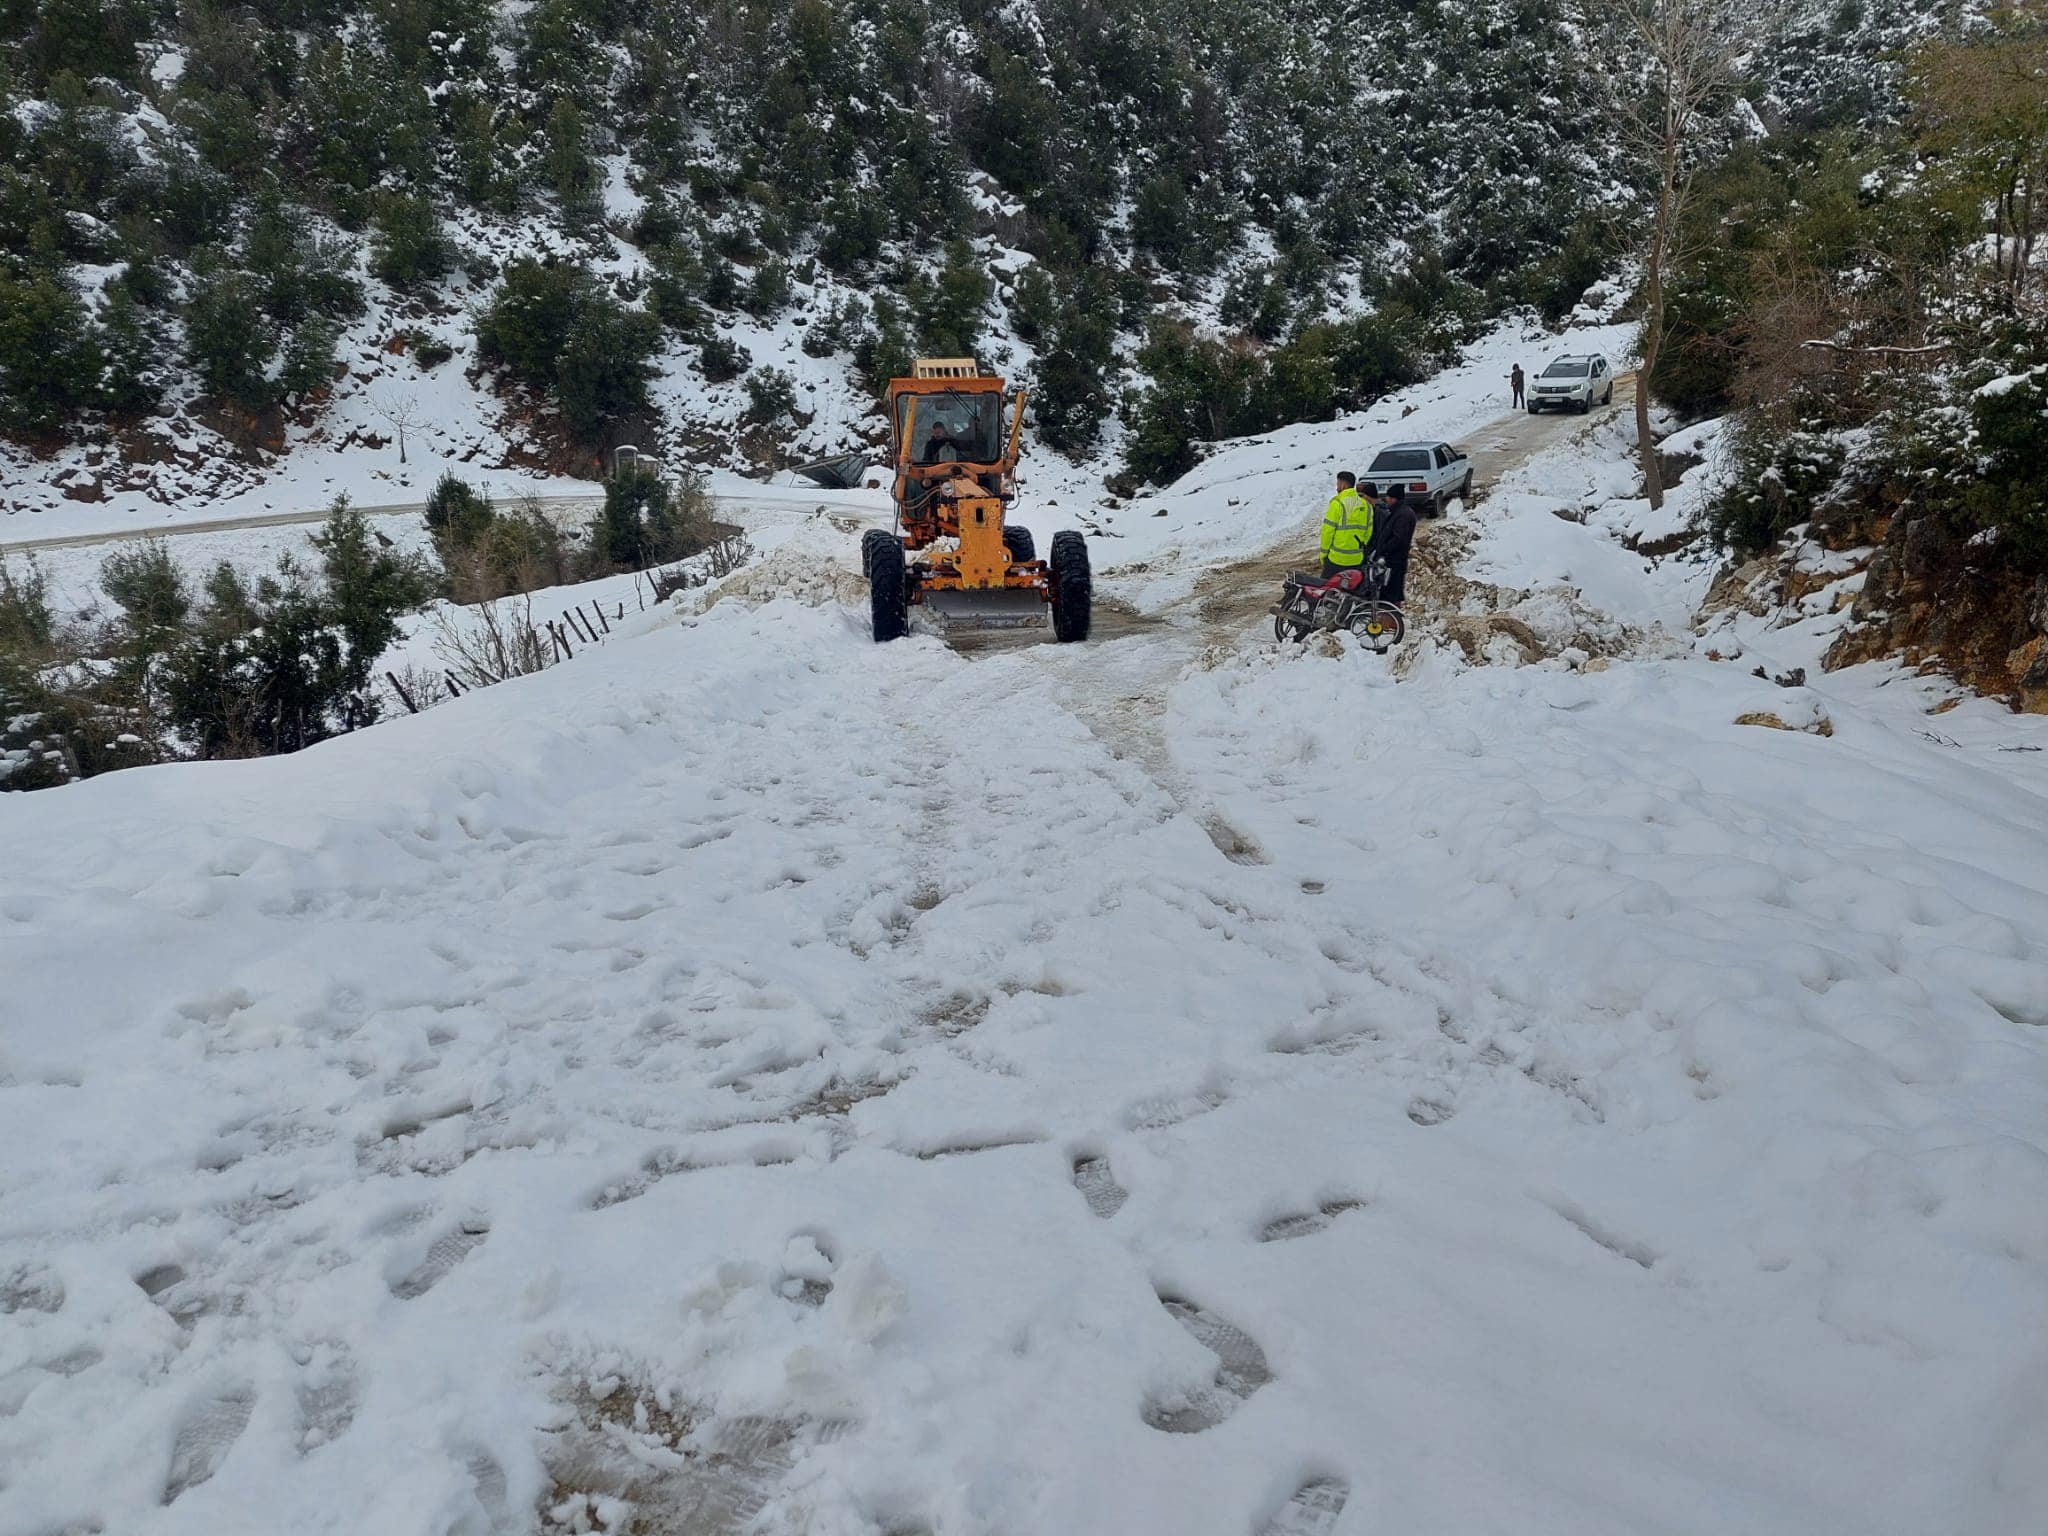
[(950, 551)]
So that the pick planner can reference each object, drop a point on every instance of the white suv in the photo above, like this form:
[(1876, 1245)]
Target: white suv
[(1572, 383)]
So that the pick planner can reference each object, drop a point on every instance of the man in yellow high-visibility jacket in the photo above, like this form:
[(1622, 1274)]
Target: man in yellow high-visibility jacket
[(1347, 528)]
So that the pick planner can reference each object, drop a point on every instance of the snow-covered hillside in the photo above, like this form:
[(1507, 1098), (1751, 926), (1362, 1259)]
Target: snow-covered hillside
[(748, 1079), (248, 251)]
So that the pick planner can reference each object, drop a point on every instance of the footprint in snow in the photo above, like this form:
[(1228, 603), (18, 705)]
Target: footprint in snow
[(808, 1260), (206, 1434), (1231, 843), (1241, 1370), (30, 1288), (1306, 1222), (170, 1288), (1098, 1186), (1427, 1111), (328, 1395), (1312, 1040), (155, 1282), (665, 1162), (1312, 1510), (17, 1384), (705, 1477), (1162, 1110), (448, 1250), (962, 1145)]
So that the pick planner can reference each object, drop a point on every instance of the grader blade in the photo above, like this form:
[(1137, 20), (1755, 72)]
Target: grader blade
[(989, 608)]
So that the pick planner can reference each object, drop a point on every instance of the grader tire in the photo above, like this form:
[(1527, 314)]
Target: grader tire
[(888, 592), (871, 541), (1072, 586), (1020, 544)]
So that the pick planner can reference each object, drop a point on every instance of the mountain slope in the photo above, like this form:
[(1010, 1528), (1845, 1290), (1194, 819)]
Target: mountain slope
[(239, 233)]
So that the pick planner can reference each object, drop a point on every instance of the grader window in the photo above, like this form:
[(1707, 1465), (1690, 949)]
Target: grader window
[(953, 428)]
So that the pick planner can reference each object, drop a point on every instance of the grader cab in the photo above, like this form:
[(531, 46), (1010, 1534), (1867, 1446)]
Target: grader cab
[(955, 456)]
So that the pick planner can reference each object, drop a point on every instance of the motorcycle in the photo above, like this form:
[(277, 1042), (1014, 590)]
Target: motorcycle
[(1348, 600)]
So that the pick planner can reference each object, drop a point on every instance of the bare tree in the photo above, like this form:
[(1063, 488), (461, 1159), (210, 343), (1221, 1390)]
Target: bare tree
[(491, 641), (1983, 103), (1682, 59), (402, 411)]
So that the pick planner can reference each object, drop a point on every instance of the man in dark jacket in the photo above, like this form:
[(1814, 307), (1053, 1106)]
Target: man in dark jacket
[(1393, 531), (1515, 383)]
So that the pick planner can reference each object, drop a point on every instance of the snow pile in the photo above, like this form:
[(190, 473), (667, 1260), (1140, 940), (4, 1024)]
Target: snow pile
[(816, 568)]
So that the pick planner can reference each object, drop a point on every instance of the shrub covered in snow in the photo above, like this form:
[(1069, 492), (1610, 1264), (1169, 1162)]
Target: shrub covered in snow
[(554, 327)]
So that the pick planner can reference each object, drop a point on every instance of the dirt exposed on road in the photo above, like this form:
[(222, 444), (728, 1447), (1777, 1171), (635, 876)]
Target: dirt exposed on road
[(1238, 592)]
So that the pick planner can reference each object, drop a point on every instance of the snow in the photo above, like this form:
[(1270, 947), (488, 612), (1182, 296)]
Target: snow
[(1506, 1097), (2007, 383), (1574, 519)]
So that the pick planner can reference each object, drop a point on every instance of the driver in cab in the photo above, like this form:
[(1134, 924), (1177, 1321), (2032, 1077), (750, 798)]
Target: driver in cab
[(947, 442)]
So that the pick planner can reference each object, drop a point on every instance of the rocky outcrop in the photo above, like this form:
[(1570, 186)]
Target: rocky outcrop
[(1476, 633), (1817, 724), (1941, 599)]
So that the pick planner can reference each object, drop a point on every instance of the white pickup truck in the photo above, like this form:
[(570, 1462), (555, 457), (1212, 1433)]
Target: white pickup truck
[(1431, 474)]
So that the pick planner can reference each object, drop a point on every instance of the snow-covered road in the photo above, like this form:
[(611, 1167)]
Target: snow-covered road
[(753, 1080)]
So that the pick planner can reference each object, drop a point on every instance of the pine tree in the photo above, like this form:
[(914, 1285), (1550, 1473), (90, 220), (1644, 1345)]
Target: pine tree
[(48, 356), (605, 365), (409, 249), (134, 348), (570, 169), (949, 309)]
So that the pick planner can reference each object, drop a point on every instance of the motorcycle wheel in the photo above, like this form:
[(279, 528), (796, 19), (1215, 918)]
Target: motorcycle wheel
[(1291, 625), (1381, 626)]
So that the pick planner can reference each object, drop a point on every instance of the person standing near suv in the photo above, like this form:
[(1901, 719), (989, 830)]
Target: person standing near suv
[(1515, 383), (1393, 533)]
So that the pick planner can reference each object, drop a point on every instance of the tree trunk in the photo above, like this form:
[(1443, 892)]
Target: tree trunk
[(1653, 325), (2026, 233), (1646, 442)]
